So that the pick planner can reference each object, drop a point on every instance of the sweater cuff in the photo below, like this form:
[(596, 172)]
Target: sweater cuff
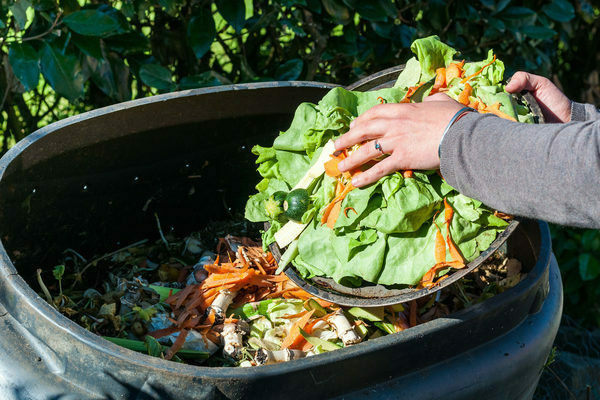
[(577, 112), (449, 147)]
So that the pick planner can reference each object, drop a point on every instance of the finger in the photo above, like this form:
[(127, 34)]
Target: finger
[(382, 168), (524, 81), (363, 154), (362, 131)]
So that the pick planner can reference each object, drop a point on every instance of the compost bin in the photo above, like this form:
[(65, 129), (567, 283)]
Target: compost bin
[(97, 179)]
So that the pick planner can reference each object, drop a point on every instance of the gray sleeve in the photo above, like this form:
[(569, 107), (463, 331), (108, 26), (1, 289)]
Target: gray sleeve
[(548, 171), (584, 112)]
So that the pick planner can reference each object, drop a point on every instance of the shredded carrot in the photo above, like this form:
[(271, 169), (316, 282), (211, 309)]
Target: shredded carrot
[(463, 97), (440, 246), (178, 344), (331, 166), (454, 70), (454, 251), (294, 338), (495, 109), (480, 71), (410, 92), (440, 78), (339, 198), (382, 100)]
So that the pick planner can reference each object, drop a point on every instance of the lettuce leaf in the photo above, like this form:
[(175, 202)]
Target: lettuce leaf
[(432, 54), (385, 233)]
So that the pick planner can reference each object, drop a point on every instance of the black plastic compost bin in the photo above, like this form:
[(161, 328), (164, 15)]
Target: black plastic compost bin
[(94, 182)]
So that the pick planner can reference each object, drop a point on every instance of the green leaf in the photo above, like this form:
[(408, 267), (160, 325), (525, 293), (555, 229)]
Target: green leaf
[(93, 23), (111, 75), (538, 32), (559, 10), (204, 79), (154, 348), (19, 11), (517, 12), (163, 291), (375, 10), (25, 63), (338, 11), (156, 76), (62, 72), (234, 12), (589, 267), (128, 43), (201, 32), (58, 272), (69, 6), (170, 6), (88, 45), (289, 70)]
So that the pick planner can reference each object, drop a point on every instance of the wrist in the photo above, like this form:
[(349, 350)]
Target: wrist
[(458, 115)]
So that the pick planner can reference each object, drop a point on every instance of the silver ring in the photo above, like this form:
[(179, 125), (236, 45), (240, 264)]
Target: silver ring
[(378, 147)]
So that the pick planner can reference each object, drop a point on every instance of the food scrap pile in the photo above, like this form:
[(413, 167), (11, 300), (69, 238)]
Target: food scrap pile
[(409, 228), (177, 300)]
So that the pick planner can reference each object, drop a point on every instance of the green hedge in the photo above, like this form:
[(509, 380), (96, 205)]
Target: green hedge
[(63, 58)]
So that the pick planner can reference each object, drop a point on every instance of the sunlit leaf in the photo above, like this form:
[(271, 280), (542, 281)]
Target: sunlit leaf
[(201, 31), (24, 61), (19, 11)]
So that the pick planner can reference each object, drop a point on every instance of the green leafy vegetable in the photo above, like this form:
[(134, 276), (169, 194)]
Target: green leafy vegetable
[(384, 233)]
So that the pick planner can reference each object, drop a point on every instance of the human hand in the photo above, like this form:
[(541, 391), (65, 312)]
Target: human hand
[(555, 106), (409, 132)]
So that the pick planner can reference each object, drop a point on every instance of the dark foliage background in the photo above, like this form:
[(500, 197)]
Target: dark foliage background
[(66, 57)]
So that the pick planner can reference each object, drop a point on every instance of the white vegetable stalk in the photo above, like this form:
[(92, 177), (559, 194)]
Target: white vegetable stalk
[(266, 357), (221, 303), (231, 337), (344, 328)]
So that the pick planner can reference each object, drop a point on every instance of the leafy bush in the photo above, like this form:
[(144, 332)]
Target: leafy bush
[(63, 58), (578, 254)]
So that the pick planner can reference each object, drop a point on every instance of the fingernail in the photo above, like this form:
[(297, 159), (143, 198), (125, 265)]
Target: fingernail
[(356, 181), (352, 123), (341, 166), (336, 144)]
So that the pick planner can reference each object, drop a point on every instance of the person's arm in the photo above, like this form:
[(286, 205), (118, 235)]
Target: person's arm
[(550, 172)]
